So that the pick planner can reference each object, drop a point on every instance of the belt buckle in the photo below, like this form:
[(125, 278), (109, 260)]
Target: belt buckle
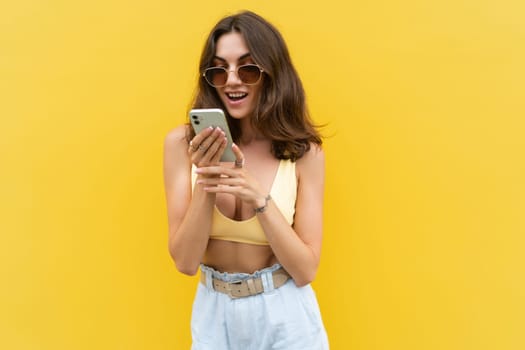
[(229, 288)]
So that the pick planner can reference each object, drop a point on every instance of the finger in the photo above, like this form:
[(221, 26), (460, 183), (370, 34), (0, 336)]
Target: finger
[(219, 152), (221, 181), (216, 144), (210, 145), (223, 189), (199, 152), (239, 156), (217, 170), (205, 133), (200, 137)]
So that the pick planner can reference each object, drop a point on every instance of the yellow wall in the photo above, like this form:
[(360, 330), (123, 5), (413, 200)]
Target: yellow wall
[(425, 194)]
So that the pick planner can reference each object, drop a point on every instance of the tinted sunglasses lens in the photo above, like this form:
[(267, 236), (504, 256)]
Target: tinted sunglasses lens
[(249, 74), (216, 76)]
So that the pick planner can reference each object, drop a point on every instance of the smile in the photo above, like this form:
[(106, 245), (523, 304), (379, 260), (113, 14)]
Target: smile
[(236, 96)]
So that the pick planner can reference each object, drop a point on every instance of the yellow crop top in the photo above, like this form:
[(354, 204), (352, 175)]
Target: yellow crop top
[(284, 194)]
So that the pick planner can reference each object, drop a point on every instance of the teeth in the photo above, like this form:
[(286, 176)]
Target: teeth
[(237, 94)]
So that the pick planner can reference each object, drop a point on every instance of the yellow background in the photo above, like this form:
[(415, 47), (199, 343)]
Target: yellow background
[(425, 196)]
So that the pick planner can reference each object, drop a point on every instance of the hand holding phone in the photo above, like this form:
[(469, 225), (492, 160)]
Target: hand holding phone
[(201, 119)]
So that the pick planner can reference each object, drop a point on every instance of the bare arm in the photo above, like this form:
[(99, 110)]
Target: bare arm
[(189, 215), (297, 248)]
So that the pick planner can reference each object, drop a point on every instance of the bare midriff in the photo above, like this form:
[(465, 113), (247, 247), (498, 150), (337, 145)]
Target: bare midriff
[(228, 256)]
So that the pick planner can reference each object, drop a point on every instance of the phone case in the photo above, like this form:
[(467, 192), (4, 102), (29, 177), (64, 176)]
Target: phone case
[(200, 119)]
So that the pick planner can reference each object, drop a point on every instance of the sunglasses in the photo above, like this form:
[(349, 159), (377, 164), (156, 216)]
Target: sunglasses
[(249, 74)]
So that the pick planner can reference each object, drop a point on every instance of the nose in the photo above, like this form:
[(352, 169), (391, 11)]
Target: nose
[(233, 77)]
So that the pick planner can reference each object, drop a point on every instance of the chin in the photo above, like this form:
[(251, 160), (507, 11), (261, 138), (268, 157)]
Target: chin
[(243, 111), (236, 115), (239, 114)]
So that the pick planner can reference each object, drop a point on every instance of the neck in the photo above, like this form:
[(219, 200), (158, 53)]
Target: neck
[(249, 134)]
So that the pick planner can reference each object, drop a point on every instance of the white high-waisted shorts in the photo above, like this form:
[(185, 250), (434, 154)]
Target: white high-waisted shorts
[(284, 318)]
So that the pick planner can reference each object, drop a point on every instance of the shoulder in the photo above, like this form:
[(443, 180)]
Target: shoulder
[(314, 157), (312, 162), (176, 145), (176, 135)]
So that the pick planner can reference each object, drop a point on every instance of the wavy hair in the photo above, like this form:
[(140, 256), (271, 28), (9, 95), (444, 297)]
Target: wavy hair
[(281, 113)]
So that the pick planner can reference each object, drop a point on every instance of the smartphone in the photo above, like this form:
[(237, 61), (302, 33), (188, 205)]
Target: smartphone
[(201, 119)]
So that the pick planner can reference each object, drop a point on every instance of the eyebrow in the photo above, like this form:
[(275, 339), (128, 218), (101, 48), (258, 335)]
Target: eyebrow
[(239, 59)]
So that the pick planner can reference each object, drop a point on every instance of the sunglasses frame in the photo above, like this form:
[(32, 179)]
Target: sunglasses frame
[(261, 71)]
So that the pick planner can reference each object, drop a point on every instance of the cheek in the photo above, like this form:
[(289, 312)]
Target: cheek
[(256, 97), (253, 101), (222, 96)]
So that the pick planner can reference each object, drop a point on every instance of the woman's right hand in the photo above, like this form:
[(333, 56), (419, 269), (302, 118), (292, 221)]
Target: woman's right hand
[(207, 147)]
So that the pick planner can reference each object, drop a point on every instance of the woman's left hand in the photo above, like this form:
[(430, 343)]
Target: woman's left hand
[(233, 180)]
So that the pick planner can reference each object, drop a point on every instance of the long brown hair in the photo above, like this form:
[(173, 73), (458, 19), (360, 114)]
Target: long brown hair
[(281, 114)]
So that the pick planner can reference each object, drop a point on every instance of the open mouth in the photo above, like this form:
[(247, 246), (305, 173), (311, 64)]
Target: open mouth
[(236, 96)]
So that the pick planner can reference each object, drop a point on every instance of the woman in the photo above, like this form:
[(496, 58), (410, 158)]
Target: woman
[(254, 226)]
